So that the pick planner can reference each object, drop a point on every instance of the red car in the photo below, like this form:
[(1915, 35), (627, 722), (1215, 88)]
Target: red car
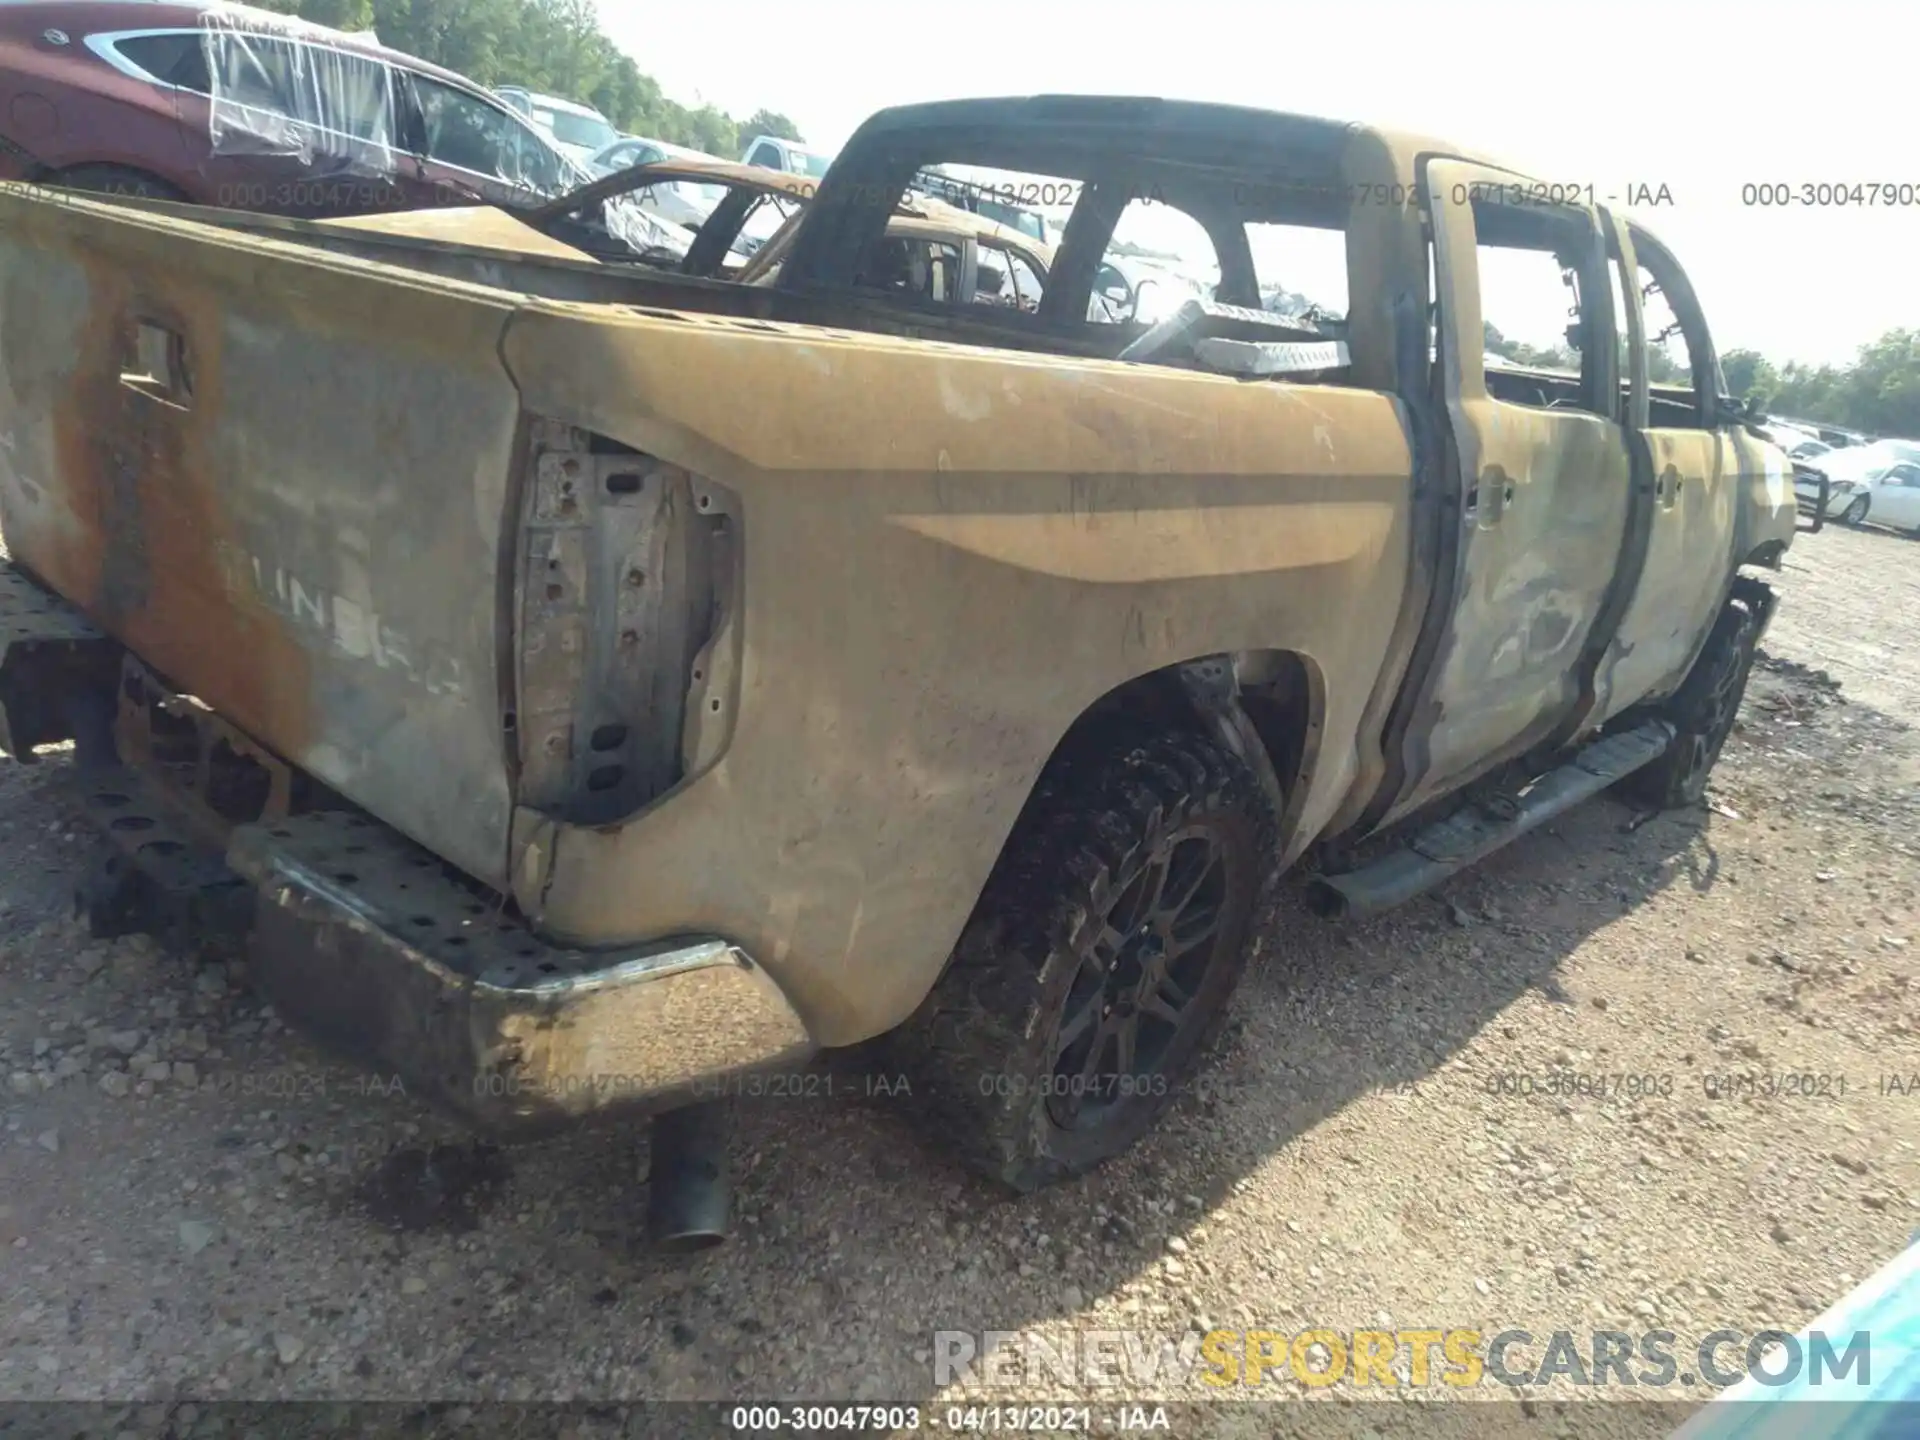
[(227, 105)]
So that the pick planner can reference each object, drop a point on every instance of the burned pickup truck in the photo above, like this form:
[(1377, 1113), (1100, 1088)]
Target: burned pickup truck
[(600, 681)]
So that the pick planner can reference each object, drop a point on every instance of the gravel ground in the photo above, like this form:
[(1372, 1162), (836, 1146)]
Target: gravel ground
[(196, 1204)]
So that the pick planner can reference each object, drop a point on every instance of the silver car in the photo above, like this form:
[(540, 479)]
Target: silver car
[(684, 202)]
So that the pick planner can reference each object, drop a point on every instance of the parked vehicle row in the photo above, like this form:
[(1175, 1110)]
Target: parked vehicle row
[(246, 109), (1878, 482), (579, 131), (790, 157)]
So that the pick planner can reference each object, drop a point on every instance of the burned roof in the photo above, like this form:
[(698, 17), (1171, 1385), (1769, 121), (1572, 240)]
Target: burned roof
[(1035, 130)]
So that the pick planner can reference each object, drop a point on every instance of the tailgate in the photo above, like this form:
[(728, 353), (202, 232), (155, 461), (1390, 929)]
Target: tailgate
[(281, 478)]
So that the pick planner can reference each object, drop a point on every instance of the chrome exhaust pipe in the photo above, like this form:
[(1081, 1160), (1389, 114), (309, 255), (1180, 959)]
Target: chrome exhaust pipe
[(689, 1189)]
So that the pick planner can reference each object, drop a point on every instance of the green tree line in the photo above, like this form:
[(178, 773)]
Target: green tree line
[(553, 46), (1879, 392), (1662, 368)]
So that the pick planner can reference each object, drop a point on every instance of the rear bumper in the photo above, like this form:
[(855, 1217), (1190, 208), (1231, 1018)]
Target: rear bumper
[(365, 942)]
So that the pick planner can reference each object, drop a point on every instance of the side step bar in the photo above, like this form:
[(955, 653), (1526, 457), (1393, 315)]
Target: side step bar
[(1476, 830)]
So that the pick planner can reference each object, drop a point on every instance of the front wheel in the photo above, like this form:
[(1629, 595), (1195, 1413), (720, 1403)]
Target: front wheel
[(1097, 966), (1856, 511), (1704, 709)]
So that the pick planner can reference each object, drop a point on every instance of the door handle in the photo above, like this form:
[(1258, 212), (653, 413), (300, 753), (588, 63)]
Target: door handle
[(1488, 501), (155, 363)]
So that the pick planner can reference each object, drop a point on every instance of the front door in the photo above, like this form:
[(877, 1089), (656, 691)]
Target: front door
[(1896, 499), (1529, 379), (1693, 464)]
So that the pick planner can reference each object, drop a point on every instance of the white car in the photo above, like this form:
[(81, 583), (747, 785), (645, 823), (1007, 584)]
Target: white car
[(684, 202), (1878, 482), (579, 131), (773, 153)]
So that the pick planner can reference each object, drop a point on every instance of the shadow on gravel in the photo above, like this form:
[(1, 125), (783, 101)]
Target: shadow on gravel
[(435, 1187), (853, 1235)]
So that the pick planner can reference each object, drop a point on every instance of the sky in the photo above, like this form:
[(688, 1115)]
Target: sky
[(1702, 98)]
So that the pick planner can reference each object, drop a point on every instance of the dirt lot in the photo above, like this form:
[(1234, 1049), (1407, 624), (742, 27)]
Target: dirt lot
[(195, 1204)]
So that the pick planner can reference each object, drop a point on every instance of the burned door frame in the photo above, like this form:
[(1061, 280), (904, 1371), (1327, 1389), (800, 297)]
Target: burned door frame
[(1490, 692)]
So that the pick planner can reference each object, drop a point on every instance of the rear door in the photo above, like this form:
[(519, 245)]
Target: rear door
[(299, 129), (1543, 472)]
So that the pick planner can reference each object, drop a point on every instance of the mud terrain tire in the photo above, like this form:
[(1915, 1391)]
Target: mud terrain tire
[(1704, 709), (1086, 934)]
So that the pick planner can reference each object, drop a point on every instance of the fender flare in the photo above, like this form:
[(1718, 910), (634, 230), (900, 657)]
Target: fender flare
[(1212, 689)]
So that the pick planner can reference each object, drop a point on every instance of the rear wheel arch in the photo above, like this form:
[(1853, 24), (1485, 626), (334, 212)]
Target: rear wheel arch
[(117, 180), (1266, 706)]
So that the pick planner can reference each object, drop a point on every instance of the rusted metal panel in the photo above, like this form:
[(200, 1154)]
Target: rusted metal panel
[(614, 596), (281, 478), (946, 554)]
